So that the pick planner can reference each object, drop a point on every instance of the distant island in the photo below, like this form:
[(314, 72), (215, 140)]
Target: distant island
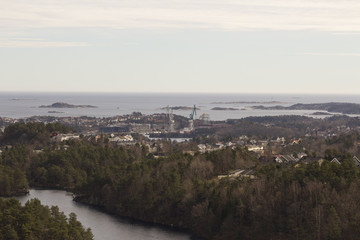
[(180, 108), (66, 105), (321, 114), (54, 112), (23, 99), (247, 102), (224, 109), (335, 107)]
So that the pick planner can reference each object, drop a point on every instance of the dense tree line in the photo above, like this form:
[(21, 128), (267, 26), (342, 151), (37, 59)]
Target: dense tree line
[(35, 221), (31, 133), (183, 190), (306, 201), (12, 181)]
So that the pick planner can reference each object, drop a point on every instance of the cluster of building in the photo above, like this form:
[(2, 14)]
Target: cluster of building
[(131, 123)]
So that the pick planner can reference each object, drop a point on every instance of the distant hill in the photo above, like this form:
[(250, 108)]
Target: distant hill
[(180, 108), (337, 107), (249, 102), (66, 105)]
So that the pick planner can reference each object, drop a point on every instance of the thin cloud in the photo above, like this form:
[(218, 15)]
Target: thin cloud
[(222, 15), (22, 16), (29, 43), (346, 33), (331, 54)]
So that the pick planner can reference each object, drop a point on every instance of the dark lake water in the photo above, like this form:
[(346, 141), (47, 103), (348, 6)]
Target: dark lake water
[(104, 226)]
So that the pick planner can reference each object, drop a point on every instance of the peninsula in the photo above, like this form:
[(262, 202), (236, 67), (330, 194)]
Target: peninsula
[(249, 102), (333, 107)]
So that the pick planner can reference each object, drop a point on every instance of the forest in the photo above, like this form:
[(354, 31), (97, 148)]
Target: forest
[(35, 221), (317, 200)]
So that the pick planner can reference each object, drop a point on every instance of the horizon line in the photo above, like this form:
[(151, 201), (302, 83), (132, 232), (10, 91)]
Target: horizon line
[(182, 93)]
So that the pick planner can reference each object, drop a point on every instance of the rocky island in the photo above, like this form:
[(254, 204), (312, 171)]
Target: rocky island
[(66, 105)]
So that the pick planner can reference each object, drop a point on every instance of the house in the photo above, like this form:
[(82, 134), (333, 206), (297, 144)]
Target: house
[(235, 173), (286, 159), (230, 144), (37, 151), (202, 148), (321, 133), (64, 137), (302, 155), (278, 140), (126, 138), (335, 161), (248, 173), (255, 148), (97, 137), (152, 148), (295, 141), (192, 153), (357, 161), (263, 143), (219, 145)]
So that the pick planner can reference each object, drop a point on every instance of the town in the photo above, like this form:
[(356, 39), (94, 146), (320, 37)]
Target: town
[(282, 139)]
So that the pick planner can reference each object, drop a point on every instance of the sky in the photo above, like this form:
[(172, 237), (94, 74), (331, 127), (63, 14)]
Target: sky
[(185, 46)]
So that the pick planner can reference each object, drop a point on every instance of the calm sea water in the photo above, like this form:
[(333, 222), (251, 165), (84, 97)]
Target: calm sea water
[(22, 105), (104, 226)]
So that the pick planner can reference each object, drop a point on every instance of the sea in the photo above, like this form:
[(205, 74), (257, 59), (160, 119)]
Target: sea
[(26, 104)]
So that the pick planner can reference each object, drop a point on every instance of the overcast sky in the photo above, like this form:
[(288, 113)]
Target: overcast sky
[(243, 46)]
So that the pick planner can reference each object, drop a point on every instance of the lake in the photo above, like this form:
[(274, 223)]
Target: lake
[(103, 225)]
